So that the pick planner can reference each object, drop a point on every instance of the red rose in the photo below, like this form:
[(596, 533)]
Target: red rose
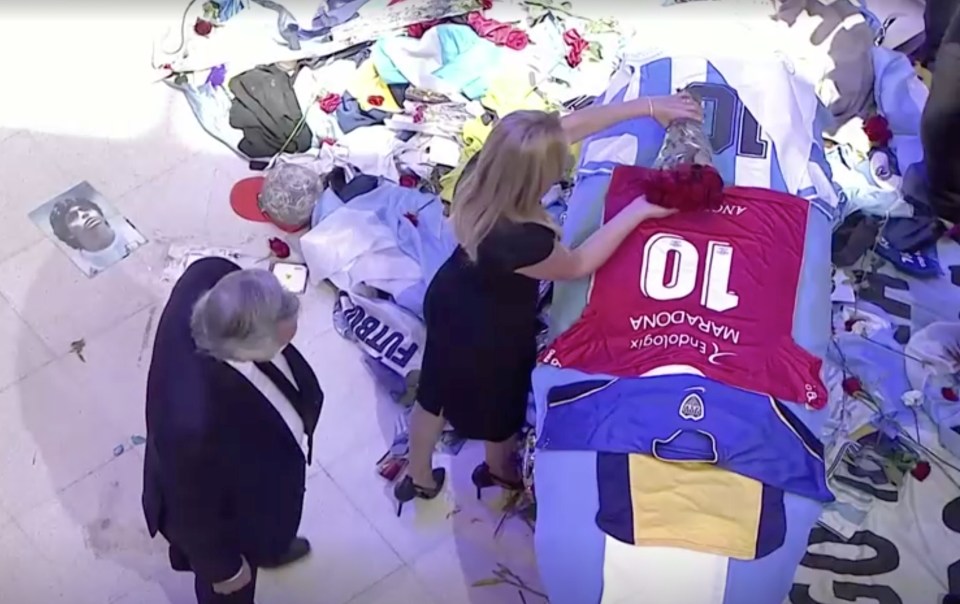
[(279, 248), (409, 181), (921, 470), (517, 40), (487, 4), (375, 99), (202, 28), (686, 188), (852, 385), (418, 115), (950, 394), (877, 130), (418, 29)]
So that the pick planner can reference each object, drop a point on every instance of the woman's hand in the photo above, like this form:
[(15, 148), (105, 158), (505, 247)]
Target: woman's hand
[(666, 109), (644, 210)]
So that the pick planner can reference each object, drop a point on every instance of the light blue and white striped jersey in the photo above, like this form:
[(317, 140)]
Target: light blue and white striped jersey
[(765, 128)]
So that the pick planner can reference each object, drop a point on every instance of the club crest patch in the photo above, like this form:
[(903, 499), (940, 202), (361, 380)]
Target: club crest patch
[(692, 407)]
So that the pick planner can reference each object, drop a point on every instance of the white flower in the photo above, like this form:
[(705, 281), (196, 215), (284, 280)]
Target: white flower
[(912, 398)]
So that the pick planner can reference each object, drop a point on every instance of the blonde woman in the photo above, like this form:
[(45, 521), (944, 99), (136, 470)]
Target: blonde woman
[(481, 307)]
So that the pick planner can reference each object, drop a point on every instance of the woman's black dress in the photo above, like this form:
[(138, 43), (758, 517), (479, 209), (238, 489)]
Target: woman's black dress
[(481, 333)]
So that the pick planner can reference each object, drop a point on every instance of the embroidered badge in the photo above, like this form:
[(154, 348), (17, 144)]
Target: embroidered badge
[(692, 407)]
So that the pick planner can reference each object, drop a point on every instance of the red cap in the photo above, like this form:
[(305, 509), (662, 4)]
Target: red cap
[(244, 199)]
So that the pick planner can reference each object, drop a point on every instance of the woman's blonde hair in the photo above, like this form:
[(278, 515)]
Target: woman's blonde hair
[(526, 154)]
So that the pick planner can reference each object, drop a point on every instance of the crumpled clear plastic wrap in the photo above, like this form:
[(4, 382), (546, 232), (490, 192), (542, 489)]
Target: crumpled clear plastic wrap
[(289, 193), (933, 351), (685, 143)]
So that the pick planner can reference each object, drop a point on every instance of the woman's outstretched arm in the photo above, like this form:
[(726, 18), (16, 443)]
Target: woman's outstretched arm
[(590, 120)]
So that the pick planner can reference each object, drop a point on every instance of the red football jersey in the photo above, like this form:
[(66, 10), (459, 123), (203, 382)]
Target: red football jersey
[(714, 290)]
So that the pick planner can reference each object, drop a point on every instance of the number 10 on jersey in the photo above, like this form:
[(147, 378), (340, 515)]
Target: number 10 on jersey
[(671, 265)]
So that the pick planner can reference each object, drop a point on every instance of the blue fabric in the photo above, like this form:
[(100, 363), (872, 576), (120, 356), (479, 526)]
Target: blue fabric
[(227, 9), (878, 363), (893, 77), (570, 546), (465, 60), (769, 579), (688, 418), (872, 20), (655, 80), (337, 12), (860, 187), (211, 106), (945, 413), (922, 263), (350, 115), (429, 242), (912, 303)]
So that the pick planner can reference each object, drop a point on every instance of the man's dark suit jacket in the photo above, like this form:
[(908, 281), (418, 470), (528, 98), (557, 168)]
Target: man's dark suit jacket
[(940, 124), (223, 475)]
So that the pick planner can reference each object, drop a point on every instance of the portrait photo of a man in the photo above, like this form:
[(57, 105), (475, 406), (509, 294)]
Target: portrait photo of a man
[(90, 230)]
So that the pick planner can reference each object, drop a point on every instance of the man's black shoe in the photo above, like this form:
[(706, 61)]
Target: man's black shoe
[(298, 550)]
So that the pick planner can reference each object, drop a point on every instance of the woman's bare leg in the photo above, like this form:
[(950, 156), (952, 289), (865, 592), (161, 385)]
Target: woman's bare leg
[(425, 431)]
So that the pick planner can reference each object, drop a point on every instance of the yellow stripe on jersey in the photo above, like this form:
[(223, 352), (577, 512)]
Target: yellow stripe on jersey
[(694, 506)]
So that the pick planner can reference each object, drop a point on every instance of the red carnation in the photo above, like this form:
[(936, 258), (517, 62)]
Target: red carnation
[(852, 386), (330, 102), (279, 248), (950, 394), (409, 181), (877, 130), (577, 45), (517, 40), (202, 28), (375, 99), (921, 470)]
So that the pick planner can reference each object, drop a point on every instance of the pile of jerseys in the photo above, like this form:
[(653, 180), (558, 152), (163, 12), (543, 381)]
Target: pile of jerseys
[(681, 397), (696, 429)]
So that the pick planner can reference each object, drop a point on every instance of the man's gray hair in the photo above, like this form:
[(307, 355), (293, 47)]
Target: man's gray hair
[(238, 318)]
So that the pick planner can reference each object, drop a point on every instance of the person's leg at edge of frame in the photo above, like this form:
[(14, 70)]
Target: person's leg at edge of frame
[(425, 431)]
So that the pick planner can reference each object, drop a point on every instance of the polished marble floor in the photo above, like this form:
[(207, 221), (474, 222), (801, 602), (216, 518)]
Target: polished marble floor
[(78, 104)]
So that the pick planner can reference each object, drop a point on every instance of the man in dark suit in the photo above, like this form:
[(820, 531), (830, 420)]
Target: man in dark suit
[(231, 411)]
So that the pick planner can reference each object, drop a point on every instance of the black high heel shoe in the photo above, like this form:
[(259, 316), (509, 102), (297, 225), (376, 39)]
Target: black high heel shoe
[(483, 478), (406, 490)]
